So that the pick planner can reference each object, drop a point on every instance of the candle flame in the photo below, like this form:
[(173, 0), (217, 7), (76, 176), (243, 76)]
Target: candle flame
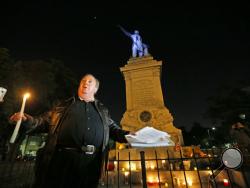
[(26, 95), (152, 167), (189, 182), (133, 166), (226, 182), (150, 179)]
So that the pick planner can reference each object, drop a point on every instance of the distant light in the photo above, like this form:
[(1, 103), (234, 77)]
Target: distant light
[(246, 89), (213, 128), (242, 116)]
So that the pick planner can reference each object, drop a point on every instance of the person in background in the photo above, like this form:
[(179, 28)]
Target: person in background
[(241, 135)]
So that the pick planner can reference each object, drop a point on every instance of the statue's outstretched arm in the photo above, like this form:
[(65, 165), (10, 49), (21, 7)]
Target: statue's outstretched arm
[(124, 31)]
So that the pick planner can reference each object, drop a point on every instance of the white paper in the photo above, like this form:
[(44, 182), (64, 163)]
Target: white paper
[(157, 144), (2, 93), (149, 137)]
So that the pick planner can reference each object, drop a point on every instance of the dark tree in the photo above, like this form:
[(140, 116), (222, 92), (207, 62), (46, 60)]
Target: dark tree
[(227, 107), (6, 65), (48, 82), (196, 134), (185, 135)]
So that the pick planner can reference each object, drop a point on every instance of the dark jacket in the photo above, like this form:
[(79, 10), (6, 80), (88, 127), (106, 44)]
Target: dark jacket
[(51, 120)]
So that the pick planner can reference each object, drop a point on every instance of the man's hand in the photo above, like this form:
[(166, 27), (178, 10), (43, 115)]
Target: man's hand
[(17, 116), (132, 133)]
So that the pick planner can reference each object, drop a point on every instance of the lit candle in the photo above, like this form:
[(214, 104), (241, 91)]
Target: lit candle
[(177, 181), (15, 132), (152, 181), (225, 182), (163, 162), (152, 167), (171, 166), (133, 166), (189, 182), (126, 177), (186, 164), (120, 147), (115, 164)]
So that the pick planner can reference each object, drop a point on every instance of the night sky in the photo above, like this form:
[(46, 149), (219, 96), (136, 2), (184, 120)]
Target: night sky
[(201, 46)]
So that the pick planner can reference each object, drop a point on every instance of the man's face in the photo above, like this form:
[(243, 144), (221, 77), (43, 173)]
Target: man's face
[(87, 86)]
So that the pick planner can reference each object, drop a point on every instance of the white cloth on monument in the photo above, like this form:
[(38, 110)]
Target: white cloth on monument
[(149, 137)]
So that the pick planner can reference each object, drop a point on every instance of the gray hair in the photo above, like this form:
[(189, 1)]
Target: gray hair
[(97, 82)]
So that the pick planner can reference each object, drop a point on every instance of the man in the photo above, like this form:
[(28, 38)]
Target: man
[(77, 143)]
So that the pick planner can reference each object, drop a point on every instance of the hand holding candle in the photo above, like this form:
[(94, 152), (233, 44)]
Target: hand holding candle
[(15, 132)]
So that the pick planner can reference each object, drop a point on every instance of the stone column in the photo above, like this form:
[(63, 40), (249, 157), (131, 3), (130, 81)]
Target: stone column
[(144, 99)]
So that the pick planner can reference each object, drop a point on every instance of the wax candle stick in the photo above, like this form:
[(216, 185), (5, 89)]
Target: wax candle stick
[(15, 132)]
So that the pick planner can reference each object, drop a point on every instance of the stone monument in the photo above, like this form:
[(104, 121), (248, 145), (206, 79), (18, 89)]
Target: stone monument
[(144, 99)]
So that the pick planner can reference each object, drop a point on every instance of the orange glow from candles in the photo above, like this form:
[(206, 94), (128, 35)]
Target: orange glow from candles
[(152, 167)]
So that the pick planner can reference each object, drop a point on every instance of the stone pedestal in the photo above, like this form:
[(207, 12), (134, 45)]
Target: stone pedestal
[(145, 104)]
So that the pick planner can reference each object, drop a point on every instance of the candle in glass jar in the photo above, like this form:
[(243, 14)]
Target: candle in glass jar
[(225, 182)]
